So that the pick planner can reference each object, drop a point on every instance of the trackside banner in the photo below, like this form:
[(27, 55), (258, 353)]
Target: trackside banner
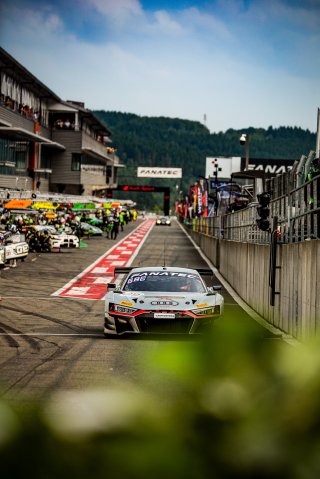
[(155, 172), (45, 205)]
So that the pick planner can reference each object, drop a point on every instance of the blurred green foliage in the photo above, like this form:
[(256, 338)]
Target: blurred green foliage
[(230, 404)]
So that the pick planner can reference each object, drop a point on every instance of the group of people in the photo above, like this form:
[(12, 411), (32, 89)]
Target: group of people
[(64, 124), (114, 222), (110, 221), (23, 108), (69, 221), (17, 222)]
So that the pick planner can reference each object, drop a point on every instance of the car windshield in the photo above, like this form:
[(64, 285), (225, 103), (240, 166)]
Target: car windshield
[(51, 229), (165, 281)]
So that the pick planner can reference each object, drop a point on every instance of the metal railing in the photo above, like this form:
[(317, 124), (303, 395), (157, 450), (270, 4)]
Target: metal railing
[(304, 217), (297, 213)]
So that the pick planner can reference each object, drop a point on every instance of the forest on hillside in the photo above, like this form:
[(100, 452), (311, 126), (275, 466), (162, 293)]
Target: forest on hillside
[(172, 142)]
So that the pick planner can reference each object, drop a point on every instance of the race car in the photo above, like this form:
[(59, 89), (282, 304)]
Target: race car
[(90, 230), (60, 239), (161, 300), (57, 239), (13, 247), (2, 256), (164, 220)]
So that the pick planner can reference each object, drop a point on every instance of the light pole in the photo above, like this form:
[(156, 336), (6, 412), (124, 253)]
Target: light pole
[(318, 135), (245, 140)]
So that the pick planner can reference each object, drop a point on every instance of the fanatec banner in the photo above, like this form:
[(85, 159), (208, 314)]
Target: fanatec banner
[(155, 172)]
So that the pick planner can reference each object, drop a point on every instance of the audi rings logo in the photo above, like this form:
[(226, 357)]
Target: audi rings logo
[(164, 303)]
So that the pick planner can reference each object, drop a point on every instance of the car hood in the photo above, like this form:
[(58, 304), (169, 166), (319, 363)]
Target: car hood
[(63, 235), (164, 300)]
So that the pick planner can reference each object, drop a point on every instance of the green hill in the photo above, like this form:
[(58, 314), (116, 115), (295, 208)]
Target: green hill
[(172, 142)]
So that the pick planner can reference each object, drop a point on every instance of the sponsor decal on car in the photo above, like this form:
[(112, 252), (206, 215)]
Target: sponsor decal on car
[(16, 250), (169, 298), (136, 279), (165, 303), (202, 305), (161, 273), (134, 293), (126, 303), (164, 315)]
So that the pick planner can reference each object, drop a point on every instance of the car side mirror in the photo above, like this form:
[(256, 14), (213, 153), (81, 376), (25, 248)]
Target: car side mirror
[(114, 287), (213, 289)]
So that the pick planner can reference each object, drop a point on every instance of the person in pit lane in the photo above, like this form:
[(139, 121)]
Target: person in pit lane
[(115, 227)]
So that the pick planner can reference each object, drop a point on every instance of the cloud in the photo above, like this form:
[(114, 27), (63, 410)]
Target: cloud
[(35, 20), (53, 22), (202, 21), (128, 16), (119, 12), (224, 62), (295, 14), (165, 24)]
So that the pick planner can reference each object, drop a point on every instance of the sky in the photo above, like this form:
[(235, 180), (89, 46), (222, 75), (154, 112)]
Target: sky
[(225, 63)]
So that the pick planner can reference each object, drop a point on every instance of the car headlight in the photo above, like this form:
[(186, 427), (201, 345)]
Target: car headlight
[(214, 310), (122, 309), (167, 222)]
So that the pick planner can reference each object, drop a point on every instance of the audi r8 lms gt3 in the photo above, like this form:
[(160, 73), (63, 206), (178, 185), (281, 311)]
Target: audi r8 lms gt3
[(161, 300), (164, 220)]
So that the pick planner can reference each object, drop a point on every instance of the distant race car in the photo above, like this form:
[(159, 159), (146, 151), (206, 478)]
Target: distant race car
[(94, 221), (57, 239), (164, 220), (2, 255), (161, 300), (90, 230)]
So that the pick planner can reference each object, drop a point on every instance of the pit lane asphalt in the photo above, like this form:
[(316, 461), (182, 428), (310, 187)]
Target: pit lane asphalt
[(50, 343)]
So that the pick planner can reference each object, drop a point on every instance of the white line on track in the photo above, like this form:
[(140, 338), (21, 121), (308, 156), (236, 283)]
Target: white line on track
[(253, 314), (68, 285)]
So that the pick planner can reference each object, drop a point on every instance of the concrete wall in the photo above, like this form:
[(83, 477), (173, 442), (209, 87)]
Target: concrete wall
[(299, 308), (61, 164), (246, 268)]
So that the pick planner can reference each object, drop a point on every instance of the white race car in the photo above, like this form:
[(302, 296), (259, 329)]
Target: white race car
[(57, 239), (2, 255), (164, 220), (13, 247), (62, 240), (161, 300)]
